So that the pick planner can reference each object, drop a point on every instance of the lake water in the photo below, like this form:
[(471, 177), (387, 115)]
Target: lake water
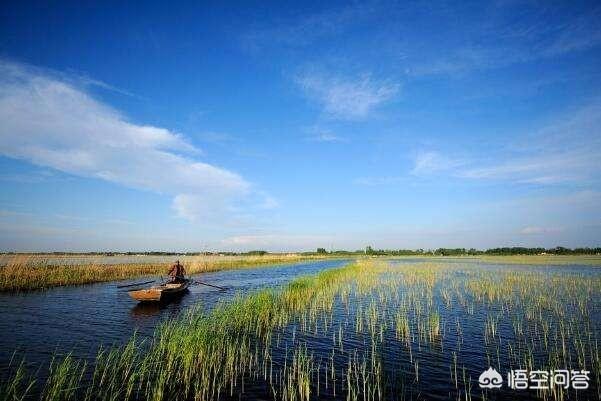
[(79, 319), (528, 317)]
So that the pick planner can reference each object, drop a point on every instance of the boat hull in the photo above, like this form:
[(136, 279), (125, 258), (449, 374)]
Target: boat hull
[(160, 292)]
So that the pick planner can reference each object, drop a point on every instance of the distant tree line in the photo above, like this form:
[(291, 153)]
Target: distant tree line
[(560, 250), (146, 253), (517, 250), (465, 252)]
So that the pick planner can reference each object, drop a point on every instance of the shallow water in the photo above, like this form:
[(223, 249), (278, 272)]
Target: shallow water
[(432, 379), (79, 319)]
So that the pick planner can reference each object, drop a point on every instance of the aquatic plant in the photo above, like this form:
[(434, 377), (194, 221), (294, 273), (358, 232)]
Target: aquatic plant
[(384, 324), (37, 272)]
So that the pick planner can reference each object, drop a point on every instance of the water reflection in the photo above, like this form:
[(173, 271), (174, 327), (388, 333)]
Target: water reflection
[(79, 319), (145, 309)]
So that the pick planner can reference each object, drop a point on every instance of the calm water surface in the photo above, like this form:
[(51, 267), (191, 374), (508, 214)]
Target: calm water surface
[(79, 319), (435, 359)]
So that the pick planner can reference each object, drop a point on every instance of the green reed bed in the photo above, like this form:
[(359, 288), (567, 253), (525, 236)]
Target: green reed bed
[(206, 354), (388, 327), (31, 273), (544, 260)]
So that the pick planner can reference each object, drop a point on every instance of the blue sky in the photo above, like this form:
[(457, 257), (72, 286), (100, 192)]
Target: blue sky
[(290, 126)]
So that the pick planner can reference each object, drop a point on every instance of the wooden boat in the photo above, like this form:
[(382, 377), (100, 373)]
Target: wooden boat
[(161, 292)]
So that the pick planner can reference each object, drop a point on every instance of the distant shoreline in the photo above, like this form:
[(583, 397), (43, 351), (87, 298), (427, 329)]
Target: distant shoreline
[(24, 272), (35, 272)]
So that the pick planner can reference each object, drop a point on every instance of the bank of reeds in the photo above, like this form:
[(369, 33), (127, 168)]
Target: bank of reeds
[(539, 260), (200, 356), (544, 260), (31, 273)]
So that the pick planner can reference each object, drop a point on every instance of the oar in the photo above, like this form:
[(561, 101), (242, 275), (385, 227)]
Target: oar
[(135, 284), (210, 285)]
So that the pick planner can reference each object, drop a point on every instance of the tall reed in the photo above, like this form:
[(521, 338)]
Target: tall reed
[(31, 273)]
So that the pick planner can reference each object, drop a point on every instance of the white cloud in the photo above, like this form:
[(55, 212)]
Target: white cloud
[(54, 123), (567, 149), (502, 43), (580, 200), (319, 134), (585, 203), (276, 242), (547, 169), (298, 32), (432, 162), (344, 98), (327, 137), (544, 168), (269, 202), (539, 230), (579, 34)]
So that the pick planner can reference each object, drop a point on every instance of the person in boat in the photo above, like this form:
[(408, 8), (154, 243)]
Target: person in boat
[(177, 273)]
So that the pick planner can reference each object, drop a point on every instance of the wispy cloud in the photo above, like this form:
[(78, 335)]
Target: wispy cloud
[(327, 137), (56, 124), (581, 33), (536, 169), (533, 230), (71, 77), (347, 98), (303, 31), (319, 134), (502, 42), (276, 241), (432, 161), (269, 202), (586, 201), (12, 213), (31, 177), (567, 149)]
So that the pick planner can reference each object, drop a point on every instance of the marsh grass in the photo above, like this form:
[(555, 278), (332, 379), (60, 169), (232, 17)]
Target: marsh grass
[(387, 324), (544, 260), (32, 272), (24, 272), (539, 260), (19, 386)]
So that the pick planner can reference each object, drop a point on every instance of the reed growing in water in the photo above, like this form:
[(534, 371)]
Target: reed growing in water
[(31, 273), (544, 260), (199, 356), (367, 310)]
